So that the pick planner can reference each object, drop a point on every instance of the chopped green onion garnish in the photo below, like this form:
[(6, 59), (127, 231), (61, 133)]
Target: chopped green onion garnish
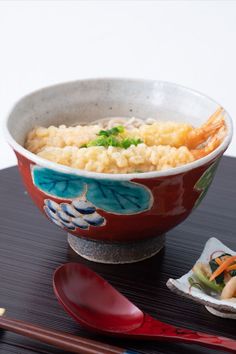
[(113, 131), (110, 138), (126, 143)]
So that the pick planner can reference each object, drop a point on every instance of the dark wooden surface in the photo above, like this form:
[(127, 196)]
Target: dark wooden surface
[(31, 248)]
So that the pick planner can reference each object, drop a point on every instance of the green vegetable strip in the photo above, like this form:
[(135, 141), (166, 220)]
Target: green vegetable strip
[(213, 265), (194, 284), (200, 274)]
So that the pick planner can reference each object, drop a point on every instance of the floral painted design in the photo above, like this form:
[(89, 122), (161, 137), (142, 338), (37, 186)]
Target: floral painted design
[(116, 197), (205, 180), (83, 196), (77, 214)]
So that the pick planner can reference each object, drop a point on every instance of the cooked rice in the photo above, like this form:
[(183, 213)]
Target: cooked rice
[(162, 146)]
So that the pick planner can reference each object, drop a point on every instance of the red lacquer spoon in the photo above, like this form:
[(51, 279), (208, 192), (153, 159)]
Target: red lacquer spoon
[(96, 305)]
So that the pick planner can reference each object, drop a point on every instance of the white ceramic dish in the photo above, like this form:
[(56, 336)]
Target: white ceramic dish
[(181, 286)]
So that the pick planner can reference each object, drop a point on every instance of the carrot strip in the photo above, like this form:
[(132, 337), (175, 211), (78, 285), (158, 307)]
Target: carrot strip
[(218, 261), (232, 267), (222, 267)]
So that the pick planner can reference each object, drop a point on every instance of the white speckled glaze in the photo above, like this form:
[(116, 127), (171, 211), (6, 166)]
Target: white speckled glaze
[(88, 100)]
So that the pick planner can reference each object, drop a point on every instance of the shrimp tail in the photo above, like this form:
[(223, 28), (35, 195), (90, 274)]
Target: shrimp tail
[(199, 135), (211, 145)]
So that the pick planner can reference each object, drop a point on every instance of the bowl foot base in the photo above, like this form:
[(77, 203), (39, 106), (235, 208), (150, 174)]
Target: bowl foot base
[(116, 253)]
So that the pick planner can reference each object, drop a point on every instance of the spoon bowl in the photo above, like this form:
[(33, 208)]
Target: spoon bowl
[(98, 306), (93, 302)]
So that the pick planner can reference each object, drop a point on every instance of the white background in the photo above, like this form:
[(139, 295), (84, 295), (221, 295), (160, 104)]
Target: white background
[(45, 42)]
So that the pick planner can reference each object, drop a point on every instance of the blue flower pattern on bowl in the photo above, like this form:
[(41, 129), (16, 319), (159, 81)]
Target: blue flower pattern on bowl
[(86, 195), (77, 214)]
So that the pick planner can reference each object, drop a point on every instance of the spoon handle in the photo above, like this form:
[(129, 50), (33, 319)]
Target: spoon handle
[(154, 329), (68, 342), (203, 339)]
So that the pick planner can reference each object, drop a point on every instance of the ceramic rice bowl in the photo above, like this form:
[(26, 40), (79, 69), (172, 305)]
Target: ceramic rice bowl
[(113, 218)]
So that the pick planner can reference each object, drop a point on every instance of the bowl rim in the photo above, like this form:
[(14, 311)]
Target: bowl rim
[(119, 176)]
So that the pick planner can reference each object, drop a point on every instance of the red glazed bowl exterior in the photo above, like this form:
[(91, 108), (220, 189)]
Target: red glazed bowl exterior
[(171, 200), (105, 207)]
